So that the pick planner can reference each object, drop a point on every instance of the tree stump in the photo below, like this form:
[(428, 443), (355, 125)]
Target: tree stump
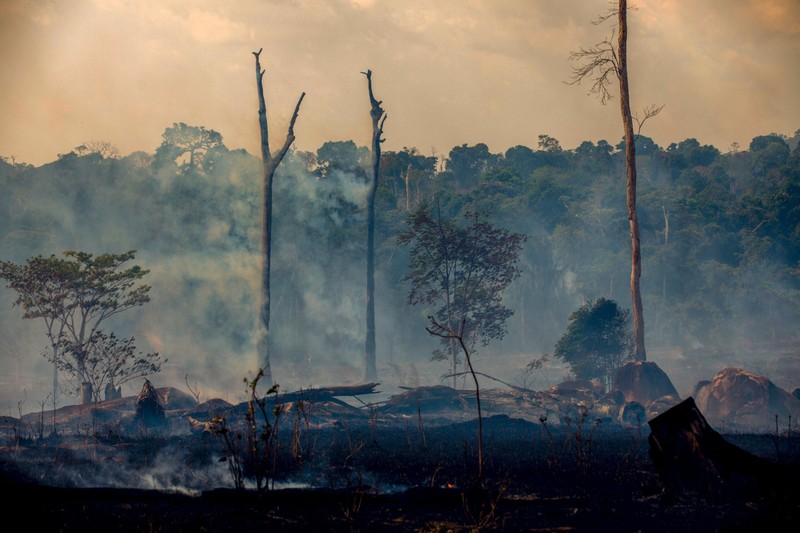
[(690, 456), (86, 393), (150, 407)]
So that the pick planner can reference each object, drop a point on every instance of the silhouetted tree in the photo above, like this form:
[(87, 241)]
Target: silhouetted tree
[(74, 296), (597, 340), (464, 270), (270, 165), (378, 118), (600, 63), (108, 361), (190, 147)]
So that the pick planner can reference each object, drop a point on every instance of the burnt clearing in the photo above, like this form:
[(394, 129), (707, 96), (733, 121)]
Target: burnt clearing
[(411, 473)]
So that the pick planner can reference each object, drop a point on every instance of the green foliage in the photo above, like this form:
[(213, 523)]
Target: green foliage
[(463, 271), (597, 341), (107, 361), (191, 148), (719, 232), (74, 296), (342, 156)]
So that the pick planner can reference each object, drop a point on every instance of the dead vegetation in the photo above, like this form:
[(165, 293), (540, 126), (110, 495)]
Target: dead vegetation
[(560, 458)]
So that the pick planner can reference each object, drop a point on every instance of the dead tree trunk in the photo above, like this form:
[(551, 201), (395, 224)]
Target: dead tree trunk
[(408, 195), (378, 118), (639, 353), (270, 164), (602, 63)]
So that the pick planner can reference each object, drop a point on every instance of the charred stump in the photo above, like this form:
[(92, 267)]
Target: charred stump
[(149, 407), (87, 392), (690, 456), (112, 393)]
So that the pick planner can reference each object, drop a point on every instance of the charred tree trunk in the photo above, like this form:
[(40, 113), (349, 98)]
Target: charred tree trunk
[(270, 165), (639, 353), (690, 456), (378, 118)]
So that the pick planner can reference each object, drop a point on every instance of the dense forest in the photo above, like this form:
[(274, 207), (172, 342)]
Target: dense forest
[(720, 235)]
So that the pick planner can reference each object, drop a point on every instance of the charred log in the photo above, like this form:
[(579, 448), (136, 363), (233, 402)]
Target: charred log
[(326, 394)]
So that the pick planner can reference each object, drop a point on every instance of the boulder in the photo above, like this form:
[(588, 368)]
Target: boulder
[(633, 414), (700, 385), (176, 399), (643, 382), (661, 405), (739, 399)]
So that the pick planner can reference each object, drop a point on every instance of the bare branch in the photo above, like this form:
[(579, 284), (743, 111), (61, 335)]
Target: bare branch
[(262, 111), (649, 112), (610, 13), (290, 134), (598, 63)]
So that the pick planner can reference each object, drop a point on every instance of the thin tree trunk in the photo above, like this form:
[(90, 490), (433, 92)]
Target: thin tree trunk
[(639, 353), (408, 199), (270, 165), (378, 118)]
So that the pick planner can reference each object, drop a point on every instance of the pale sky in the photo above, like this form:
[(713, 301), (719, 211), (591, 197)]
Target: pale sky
[(448, 71)]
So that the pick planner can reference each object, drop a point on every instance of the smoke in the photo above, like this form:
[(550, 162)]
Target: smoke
[(198, 233)]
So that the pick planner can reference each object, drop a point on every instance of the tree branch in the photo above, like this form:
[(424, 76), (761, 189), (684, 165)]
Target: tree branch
[(262, 110), (599, 63), (290, 133), (649, 112)]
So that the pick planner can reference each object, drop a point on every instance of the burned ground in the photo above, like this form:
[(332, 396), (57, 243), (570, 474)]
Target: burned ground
[(370, 473)]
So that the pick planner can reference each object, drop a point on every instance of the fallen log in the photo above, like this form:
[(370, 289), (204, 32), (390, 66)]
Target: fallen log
[(326, 394), (690, 456)]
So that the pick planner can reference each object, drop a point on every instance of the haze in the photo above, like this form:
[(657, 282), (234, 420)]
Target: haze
[(449, 72)]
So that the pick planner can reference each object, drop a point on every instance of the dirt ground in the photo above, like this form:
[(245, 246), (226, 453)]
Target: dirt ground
[(372, 476)]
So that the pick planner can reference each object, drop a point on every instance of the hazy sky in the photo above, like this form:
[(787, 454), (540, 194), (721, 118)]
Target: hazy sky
[(448, 72)]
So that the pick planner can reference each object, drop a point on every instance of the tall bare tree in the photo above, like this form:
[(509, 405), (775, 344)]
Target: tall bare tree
[(270, 165), (601, 63), (378, 118)]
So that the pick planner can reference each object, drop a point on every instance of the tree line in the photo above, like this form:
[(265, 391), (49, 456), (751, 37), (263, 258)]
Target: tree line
[(719, 231)]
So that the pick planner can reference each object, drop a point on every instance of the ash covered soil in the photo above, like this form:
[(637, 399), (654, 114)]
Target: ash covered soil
[(410, 473)]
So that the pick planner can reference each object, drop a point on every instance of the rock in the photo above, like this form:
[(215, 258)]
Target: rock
[(740, 399), (700, 385), (633, 414), (661, 405), (643, 382), (210, 408), (176, 399)]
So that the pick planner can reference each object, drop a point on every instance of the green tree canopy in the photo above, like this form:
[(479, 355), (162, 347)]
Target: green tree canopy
[(462, 270), (192, 148), (74, 296), (597, 341)]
